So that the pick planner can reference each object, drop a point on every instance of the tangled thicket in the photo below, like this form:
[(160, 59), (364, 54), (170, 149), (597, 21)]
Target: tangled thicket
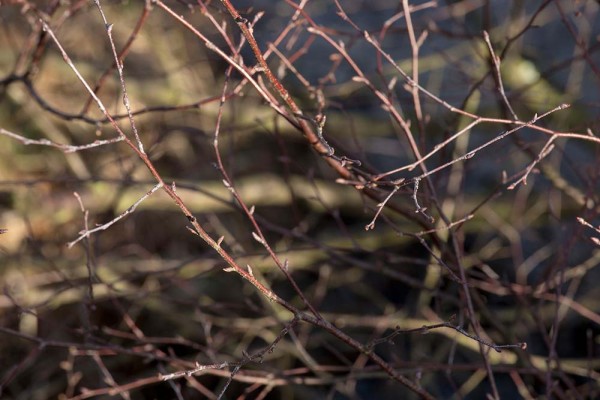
[(278, 199)]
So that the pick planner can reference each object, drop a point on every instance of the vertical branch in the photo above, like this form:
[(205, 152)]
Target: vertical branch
[(119, 64), (498, 76), (415, 45)]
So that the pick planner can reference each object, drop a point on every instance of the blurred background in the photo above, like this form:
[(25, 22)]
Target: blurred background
[(105, 316)]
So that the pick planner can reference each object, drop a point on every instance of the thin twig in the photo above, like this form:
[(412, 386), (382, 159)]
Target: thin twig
[(119, 64), (447, 324), (498, 75), (87, 232), (67, 148)]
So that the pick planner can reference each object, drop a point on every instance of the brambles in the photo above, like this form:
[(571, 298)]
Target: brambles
[(351, 177)]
